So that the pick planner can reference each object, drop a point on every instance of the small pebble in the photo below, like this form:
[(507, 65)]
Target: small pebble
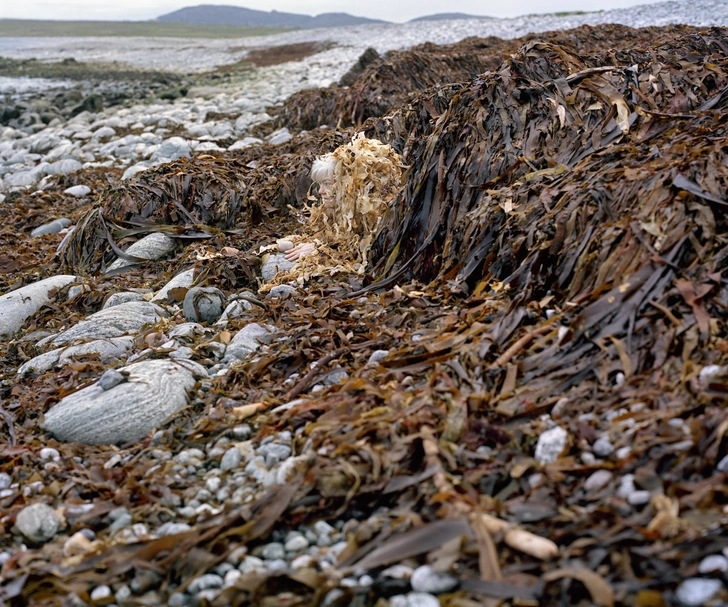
[(598, 480), (696, 591), (38, 522), (78, 191), (296, 543), (639, 497), (723, 465), (713, 563), (110, 379), (177, 599), (5, 480), (426, 579), (398, 572), (100, 592), (49, 453), (273, 551), (378, 356), (205, 582), (276, 565), (550, 445), (603, 447)]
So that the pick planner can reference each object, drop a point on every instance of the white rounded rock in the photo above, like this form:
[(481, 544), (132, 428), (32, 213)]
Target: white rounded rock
[(78, 191), (19, 305), (696, 591), (426, 579), (38, 522), (551, 444)]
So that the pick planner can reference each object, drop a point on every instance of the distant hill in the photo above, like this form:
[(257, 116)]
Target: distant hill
[(219, 14), (445, 16)]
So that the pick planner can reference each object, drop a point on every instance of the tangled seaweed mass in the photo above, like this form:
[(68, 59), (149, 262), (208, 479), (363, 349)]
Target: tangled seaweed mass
[(522, 395)]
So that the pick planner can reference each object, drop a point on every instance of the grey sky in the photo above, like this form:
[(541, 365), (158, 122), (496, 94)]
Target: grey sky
[(397, 10)]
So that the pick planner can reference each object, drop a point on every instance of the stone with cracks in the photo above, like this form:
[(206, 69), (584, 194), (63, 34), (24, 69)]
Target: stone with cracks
[(128, 411), (124, 319)]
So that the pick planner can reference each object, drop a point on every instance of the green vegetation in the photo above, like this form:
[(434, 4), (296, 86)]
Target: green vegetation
[(32, 28)]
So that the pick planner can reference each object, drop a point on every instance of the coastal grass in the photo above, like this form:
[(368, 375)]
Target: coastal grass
[(22, 28)]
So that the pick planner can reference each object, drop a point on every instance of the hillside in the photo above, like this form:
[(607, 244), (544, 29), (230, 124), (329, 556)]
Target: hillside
[(217, 14)]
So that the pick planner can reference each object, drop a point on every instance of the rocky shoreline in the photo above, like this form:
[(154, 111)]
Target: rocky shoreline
[(493, 430)]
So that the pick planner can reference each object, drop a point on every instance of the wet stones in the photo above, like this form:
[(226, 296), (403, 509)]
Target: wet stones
[(19, 305), (125, 411)]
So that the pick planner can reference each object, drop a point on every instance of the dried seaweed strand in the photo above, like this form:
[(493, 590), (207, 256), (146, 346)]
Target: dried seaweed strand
[(304, 382)]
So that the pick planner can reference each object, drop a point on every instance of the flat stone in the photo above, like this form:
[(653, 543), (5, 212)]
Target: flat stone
[(19, 305), (696, 591), (247, 340), (127, 412), (598, 480), (378, 356), (426, 579), (274, 263), (52, 227), (153, 246), (279, 137), (124, 319), (230, 459), (107, 349), (550, 445), (78, 191), (713, 563), (281, 291), (124, 297), (182, 280), (38, 522)]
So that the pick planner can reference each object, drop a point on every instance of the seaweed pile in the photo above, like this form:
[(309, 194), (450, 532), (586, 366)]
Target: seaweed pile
[(555, 260), (385, 83)]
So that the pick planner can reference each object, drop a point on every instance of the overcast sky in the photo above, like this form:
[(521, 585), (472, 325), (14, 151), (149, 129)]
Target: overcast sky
[(389, 10)]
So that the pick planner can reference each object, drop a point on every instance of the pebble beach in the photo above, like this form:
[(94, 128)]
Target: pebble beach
[(54, 128)]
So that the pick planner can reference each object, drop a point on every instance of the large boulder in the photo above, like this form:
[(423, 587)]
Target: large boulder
[(114, 413), (19, 305)]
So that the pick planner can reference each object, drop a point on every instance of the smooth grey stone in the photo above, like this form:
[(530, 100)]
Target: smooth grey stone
[(110, 379), (603, 447), (247, 340), (105, 132), (19, 305), (598, 480), (20, 179), (38, 522), (153, 246), (697, 591), (281, 291), (78, 190), (244, 143), (230, 459), (124, 319), (204, 582), (723, 464), (426, 579), (203, 304), (713, 563), (107, 349), (5, 480), (335, 376), (124, 297), (378, 356), (280, 136), (172, 149), (52, 227), (550, 445), (274, 263), (154, 390), (235, 309), (273, 551), (181, 280), (134, 169), (63, 167)]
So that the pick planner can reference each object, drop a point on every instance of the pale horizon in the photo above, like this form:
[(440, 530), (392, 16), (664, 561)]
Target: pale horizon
[(405, 10)]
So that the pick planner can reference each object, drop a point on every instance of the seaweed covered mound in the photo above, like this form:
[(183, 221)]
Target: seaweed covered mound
[(197, 198), (595, 187), (383, 84)]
